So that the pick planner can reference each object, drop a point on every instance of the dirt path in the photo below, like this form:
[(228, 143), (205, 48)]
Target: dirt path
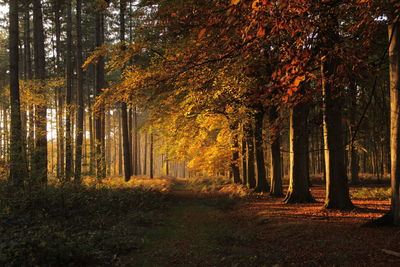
[(209, 231)]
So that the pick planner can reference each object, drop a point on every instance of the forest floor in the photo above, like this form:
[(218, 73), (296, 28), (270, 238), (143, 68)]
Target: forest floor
[(206, 229), (196, 222)]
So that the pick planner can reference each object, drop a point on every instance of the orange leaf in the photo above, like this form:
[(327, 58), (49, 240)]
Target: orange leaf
[(235, 2), (201, 33), (298, 80), (261, 32)]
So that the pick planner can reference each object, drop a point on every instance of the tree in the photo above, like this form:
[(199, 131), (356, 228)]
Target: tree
[(69, 67), (394, 71), (337, 192), (276, 168), (151, 164), (39, 164), (249, 132), (298, 191), (235, 153), (124, 112), (99, 114), (261, 182), (18, 167), (80, 104)]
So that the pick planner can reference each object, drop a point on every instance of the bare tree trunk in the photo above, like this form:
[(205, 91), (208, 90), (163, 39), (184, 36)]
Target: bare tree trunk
[(120, 145), (68, 134), (276, 170), (298, 191), (337, 191), (28, 76), (250, 156), (80, 105), (261, 181), (244, 159), (145, 155), (99, 116), (92, 140), (135, 143), (235, 153), (151, 167), (394, 71), (39, 172), (124, 112), (18, 167)]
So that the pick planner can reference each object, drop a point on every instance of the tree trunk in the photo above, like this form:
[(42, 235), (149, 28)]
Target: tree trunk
[(145, 155), (59, 94), (337, 191), (80, 106), (151, 167), (92, 160), (124, 112), (68, 134), (39, 172), (354, 159), (135, 143), (99, 115), (276, 171), (235, 154), (244, 159), (394, 71), (298, 191), (250, 157), (18, 167), (261, 181)]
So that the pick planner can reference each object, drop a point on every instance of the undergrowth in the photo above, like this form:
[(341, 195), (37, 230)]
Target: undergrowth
[(76, 225), (218, 185), (371, 193)]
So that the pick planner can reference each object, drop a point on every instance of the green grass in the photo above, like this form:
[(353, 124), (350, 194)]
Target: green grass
[(75, 225), (371, 193)]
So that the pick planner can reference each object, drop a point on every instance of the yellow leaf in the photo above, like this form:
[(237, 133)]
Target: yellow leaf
[(235, 2)]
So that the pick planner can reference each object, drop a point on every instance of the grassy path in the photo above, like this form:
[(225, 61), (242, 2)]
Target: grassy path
[(197, 231)]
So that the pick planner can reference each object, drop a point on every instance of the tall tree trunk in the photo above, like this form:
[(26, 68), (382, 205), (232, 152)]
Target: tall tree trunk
[(92, 160), (394, 71), (235, 154), (251, 179), (80, 105), (120, 146), (130, 135), (354, 159), (99, 116), (151, 164), (298, 191), (39, 172), (261, 181), (59, 94), (124, 111), (276, 170), (145, 155), (68, 132), (18, 167), (244, 159), (337, 191), (28, 76), (135, 143)]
